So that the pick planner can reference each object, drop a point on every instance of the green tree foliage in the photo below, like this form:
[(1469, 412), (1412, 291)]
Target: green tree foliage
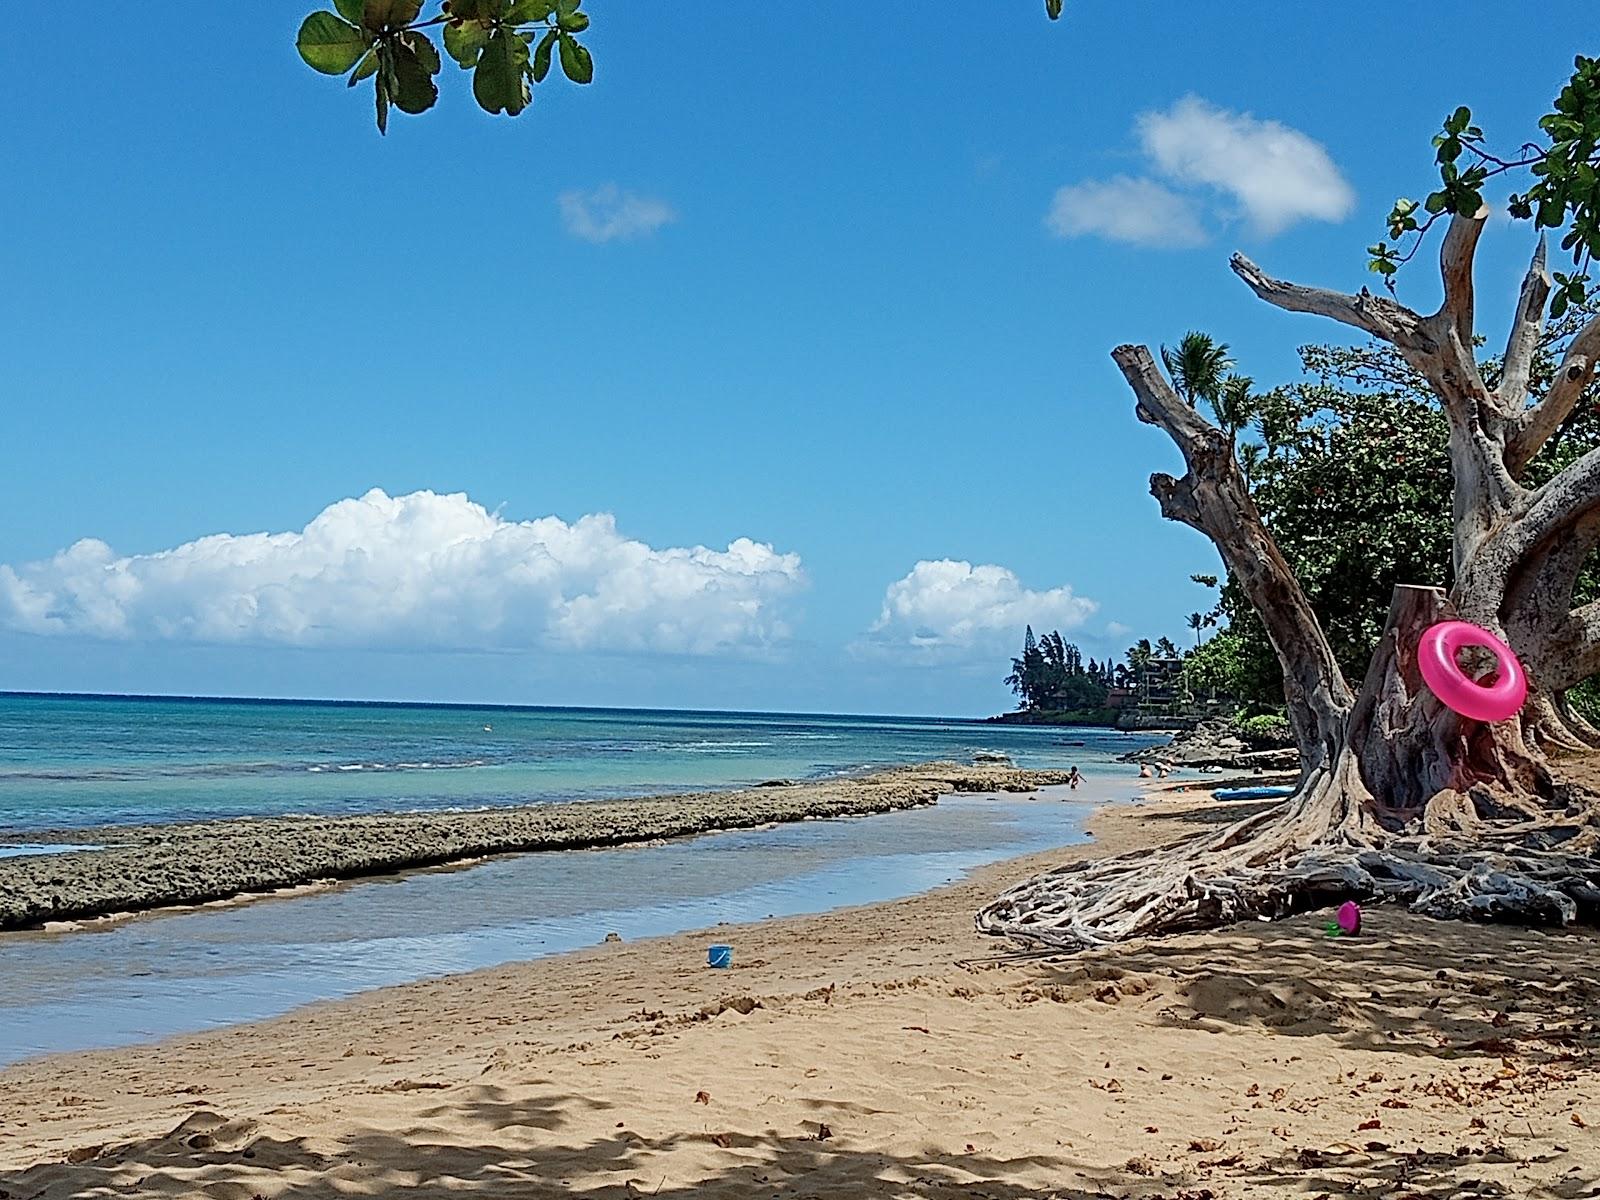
[(508, 46), (1201, 370), (1138, 656), (1198, 366), (1353, 478), (1267, 731), (1050, 676), (1214, 670), (1563, 189)]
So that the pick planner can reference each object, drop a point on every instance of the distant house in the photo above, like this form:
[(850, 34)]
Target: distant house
[(1121, 697), (1161, 682)]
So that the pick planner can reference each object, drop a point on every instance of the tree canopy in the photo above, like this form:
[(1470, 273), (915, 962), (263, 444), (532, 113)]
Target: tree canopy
[(508, 45), (1051, 676), (1562, 192), (1351, 474)]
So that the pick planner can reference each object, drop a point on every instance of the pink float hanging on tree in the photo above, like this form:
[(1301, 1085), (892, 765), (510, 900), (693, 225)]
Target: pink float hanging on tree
[(1500, 700)]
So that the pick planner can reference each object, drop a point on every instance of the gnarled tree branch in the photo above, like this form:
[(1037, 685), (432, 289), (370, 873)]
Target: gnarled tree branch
[(1456, 254), (1571, 653), (1214, 498), (1440, 348), (1535, 426), (1537, 604), (1385, 319), (1553, 511), (1527, 327), (1176, 498)]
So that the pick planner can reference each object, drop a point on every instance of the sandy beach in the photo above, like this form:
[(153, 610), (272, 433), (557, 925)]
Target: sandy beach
[(865, 1053)]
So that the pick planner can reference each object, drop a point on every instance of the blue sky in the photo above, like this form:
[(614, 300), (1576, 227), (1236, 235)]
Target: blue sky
[(842, 328)]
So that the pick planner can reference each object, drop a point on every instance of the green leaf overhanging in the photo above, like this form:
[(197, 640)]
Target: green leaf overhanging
[(331, 44)]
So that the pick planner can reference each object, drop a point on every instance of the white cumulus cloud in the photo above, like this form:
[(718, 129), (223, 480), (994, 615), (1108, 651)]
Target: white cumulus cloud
[(608, 213), (421, 571), (1202, 159), (1277, 174), (1140, 211), (946, 607)]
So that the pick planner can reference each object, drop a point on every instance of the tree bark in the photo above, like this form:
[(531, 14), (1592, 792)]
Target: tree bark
[(1399, 798), (1214, 498), (1452, 817)]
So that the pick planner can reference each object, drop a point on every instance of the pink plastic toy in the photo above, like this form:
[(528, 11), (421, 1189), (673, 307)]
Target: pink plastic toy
[(1349, 918), (1346, 922), (1436, 657)]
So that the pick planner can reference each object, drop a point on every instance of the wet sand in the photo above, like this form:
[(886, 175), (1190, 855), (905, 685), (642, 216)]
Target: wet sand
[(870, 1052), (148, 867)]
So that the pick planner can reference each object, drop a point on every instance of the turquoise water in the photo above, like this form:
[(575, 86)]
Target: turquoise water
[(167, 974), (74, 762)]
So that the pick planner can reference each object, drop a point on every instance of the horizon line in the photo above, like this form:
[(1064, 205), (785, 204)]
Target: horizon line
[(333, 702)]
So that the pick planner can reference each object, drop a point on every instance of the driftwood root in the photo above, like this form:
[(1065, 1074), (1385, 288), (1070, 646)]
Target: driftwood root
[(1532, 873)]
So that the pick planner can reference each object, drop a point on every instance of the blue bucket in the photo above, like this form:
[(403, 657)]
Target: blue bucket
[(720, 956)]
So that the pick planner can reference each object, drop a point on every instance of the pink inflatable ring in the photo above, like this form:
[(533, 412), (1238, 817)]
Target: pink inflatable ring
[(1436, 656)]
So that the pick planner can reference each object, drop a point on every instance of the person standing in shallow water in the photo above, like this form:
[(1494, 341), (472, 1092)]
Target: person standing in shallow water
[(1074, 779)]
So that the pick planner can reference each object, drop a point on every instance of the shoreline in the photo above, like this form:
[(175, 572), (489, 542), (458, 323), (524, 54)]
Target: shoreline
[(145, 868), (851, 1053)]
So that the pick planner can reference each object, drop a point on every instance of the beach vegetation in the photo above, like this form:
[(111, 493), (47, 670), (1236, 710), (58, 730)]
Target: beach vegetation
[(1355, 485), (1050, 676), (1268, 731)]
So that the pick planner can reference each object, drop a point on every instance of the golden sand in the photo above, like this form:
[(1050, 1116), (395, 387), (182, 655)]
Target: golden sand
[(853, 1055)]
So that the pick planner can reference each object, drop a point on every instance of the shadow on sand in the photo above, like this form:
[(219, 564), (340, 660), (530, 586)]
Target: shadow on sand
[(482, 1144)]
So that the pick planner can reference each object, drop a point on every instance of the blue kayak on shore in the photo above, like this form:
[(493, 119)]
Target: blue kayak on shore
[(1253, 793)]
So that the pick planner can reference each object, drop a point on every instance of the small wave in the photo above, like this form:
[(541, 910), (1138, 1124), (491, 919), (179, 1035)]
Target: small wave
[(705, 747), (225, 770), (463, 764)]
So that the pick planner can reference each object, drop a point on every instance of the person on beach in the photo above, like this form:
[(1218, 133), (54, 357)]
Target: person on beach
[(1074, 779), (1161, 770), (1144, 770)]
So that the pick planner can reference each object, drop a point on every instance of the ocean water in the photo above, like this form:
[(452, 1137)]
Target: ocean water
[(72, 763), (159, 975), (76, 762)]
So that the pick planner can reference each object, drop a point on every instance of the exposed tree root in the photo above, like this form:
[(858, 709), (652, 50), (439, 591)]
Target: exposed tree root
[(1455, 819), (1476, 864), (1399, 798)]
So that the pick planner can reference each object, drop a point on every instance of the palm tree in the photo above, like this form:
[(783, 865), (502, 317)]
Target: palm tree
[(1197, 367), (1167, 647), (1250, 456), (1140, 654), (1233, 404), (1197, 622)]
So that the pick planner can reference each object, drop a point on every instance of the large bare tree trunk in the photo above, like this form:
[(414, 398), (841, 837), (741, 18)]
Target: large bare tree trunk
[(1399, 797)]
